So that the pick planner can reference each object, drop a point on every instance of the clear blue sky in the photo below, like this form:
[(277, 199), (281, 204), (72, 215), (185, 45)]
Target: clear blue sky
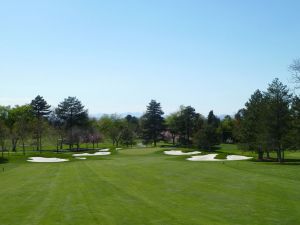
[(116, 56)]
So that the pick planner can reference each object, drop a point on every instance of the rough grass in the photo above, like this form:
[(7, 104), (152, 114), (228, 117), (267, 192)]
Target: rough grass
[(144, 186)]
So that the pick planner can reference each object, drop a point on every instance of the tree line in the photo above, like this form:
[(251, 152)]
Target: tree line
[(269, 122)]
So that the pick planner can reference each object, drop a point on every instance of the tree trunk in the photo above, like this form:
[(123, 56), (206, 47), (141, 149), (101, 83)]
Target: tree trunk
[(40, 144), (173, 139), (279, 155), (14, 142), (23, 147), (61, 143), (260, 153)]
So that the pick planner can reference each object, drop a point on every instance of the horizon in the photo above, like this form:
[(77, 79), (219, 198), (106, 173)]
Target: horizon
[(115, 57)]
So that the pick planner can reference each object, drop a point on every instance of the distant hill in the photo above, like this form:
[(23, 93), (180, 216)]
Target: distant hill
[(98, 115)]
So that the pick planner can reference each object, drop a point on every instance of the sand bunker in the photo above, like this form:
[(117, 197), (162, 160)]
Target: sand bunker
[(80, 158), (238, 157), (104, 150), (91, 154), (178, 152), (209, 157), (44, 160)]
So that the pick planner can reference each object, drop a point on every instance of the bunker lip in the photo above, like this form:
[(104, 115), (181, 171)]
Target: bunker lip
[(179, 152), (91, 154), (46, 160)]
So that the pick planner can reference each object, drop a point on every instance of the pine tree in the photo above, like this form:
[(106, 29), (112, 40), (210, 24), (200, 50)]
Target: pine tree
[(153, 123), (254, 132), (209, 135), (40, 110), (278, 116), (72, 113)]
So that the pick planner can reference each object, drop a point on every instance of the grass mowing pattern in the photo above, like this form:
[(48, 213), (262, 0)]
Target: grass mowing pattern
[(144, 186)]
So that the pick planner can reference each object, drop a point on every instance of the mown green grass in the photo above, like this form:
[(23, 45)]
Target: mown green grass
[(144, 186)]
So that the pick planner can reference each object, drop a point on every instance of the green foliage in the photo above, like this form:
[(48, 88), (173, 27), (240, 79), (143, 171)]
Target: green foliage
[(188, 123), (210, 134), (74, 117), (227, 129), (113, 126), (152, 123), (72, 112), (266, 120), (40, 107)]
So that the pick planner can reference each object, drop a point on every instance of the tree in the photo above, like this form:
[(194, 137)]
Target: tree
[(152, 123), (19, 124), (93, 134), (172, 123), (130, 131), (40, 110), (209, 134), (227, 127), (294, 135), (113, 126), (295, 70), (73, 114), (237, 125), (4, 131), (254, 131), (188, 122), (279, 116)]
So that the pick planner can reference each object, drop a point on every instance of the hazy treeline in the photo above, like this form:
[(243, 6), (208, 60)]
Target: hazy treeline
[(270, 121)]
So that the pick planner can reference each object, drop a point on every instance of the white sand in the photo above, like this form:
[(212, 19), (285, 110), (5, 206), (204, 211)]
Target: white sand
[(104, 150), (80, 158), (179, 152), (238, 157), (42, 159), (91, 154), (209, 157)]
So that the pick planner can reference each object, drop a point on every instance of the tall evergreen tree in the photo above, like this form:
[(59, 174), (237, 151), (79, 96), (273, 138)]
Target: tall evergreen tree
[(188, 123), (209, 135), (253, 131), (279, 116), (40, 110), (153, 123), (73, 114)]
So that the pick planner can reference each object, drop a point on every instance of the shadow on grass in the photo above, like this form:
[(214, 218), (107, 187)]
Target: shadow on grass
[(3, 160), (287, 162)]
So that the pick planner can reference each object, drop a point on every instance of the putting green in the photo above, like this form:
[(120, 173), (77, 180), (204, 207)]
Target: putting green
[(144, 186)]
